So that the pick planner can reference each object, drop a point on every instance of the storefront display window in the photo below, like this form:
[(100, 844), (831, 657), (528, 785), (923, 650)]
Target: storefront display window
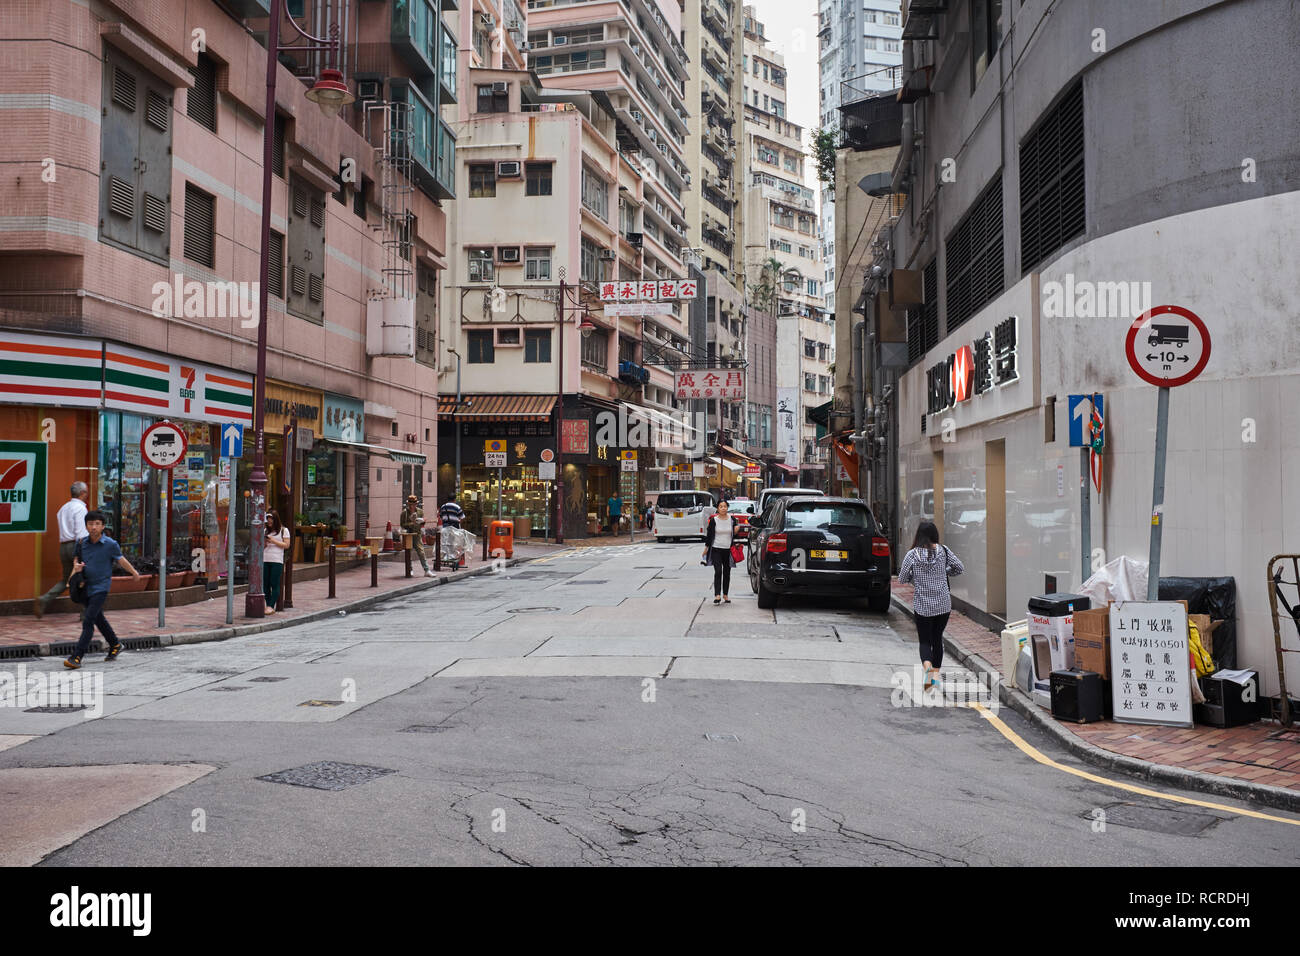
[(323, 486), (523, 496)]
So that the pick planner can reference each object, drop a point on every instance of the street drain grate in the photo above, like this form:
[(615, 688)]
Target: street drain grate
[(1156, 819), (320, 703), (266, 680), (327, 775), (723, 738), (54, 709), (16, 653), (227, 688), (530, 610), (423, 729), (141, 643)]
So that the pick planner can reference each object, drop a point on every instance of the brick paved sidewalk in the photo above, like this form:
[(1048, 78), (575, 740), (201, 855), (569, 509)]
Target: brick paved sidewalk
[(1263, 753), (309, 597)]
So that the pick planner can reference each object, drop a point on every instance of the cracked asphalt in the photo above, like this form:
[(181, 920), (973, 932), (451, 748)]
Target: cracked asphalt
[(593, 707)]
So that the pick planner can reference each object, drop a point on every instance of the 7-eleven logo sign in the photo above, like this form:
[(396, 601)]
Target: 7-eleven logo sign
[(186, 390), (22, 486)]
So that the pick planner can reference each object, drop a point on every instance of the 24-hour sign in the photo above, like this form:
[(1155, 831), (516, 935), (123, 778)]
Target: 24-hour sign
[(987, 363)]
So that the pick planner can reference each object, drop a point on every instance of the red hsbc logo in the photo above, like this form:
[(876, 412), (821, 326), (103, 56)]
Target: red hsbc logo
[(962, 374)]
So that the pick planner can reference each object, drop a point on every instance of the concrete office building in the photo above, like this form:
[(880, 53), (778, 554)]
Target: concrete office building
[(1081, 169)]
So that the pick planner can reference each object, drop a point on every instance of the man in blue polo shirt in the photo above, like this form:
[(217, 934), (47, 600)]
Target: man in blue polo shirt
[(97, 553)]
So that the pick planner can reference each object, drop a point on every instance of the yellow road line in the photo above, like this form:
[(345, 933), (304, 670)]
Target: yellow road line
[(1046, 761)]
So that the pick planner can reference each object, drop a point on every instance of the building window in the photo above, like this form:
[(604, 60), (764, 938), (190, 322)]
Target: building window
[(973, 269), (426, 317), (869, 16), (201, 100), (539, 179), (537, 345), (595, 350), (482, 348), (481, 266), (482, 180), (595, 193), (809, 348), (868, 43), (359, 197), (891, 46), (537, 264), (809, 382), (986, 33), (1052, 208), (277, 146), (135, 160), (569, 62), (275, 265), (200, 226), (306, 252), (891, 19), (590, 261), (492, 101)]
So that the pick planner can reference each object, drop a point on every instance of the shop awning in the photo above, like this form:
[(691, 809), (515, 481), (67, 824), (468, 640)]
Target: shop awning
[(662, 419), (360, 448), (740, 455), (730, 466), (788, 469), (497, 408)]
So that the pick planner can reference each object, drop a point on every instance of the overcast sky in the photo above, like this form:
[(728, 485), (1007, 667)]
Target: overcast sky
[(791, 28)]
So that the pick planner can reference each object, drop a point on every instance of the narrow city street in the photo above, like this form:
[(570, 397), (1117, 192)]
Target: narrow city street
[(591, 706)]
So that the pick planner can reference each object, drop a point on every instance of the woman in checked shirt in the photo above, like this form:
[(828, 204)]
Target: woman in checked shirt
[(927, 567)]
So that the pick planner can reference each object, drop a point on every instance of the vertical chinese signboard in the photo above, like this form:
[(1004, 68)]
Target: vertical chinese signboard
[(1150, 663), (575, 436)]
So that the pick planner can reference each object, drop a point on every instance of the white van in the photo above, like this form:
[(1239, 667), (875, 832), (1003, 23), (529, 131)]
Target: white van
[(682, 514)]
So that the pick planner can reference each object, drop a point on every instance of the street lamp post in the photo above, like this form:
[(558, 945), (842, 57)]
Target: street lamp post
[(330, 93), (455, 420)]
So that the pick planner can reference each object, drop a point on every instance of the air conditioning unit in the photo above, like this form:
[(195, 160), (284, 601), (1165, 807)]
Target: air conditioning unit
[(486, 20), (507, 254), (559, 40), (608, 255), (501, 86), (369, 90), (509, 170)]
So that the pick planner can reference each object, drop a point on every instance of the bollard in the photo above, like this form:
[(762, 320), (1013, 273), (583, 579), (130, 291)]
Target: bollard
[(408, 561), (485, 540), (331, 594), (286, 589), (437, 550), (374, 569)]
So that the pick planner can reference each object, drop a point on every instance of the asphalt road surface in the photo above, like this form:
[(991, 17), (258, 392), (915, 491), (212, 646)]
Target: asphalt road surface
[(590, 707)]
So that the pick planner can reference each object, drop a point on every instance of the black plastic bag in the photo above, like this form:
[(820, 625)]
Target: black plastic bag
[(1216, 597)]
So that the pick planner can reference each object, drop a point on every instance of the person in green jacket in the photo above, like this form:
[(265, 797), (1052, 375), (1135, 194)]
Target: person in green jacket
[(413, 523)]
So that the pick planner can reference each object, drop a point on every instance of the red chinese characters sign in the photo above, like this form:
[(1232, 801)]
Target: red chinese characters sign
[(710, 383), (664, 290), (575, 437)]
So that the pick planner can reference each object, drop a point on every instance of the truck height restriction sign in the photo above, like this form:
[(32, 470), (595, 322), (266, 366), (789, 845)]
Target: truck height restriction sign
[(1168, 346), (163, 445)]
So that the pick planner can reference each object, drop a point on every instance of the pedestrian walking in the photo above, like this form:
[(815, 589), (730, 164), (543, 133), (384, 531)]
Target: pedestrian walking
[(720, 549), (451, 513), (413, 523), (277, 540), (927, 567), (72, 527), (648, 517), (615, 511), (95, 556)]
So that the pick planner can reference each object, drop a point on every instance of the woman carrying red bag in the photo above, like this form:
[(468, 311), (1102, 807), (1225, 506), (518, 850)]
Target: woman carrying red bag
[(720, 550)]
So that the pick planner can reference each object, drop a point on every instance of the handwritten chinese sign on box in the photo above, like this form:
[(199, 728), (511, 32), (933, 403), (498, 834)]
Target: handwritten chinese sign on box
[(1150, 664)]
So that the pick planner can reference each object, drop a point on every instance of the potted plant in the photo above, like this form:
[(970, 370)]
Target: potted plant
[(125, 584), (149, 570)]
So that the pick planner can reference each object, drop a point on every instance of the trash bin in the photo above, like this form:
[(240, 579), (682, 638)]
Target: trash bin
[(1051, 617), (502, 538)]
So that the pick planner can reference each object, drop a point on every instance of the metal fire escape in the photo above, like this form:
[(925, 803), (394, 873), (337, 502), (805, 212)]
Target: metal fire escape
[(390, 326)]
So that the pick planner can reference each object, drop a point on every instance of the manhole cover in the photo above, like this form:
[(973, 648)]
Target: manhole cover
[(51, 709), (266, 680), (227, 688), (1157, 819), (423, 729), (327, 775), (723, 738), (530, 610), (320, 703)]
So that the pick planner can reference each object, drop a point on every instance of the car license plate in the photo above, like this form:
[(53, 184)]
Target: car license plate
[(679, 514), (831, 555)]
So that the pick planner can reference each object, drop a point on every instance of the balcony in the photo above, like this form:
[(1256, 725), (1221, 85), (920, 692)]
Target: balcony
[(632, 374), (416, 34), (874, 122), (433, 145)]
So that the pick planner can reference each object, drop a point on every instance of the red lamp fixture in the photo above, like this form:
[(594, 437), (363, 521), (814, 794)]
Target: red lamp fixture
[(330, 93)]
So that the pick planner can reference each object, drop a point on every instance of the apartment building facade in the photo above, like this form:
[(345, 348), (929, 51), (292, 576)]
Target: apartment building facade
[(129, 263), (580, 179)]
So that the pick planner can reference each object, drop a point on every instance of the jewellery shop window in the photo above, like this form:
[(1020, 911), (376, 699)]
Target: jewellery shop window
[(323, 486)]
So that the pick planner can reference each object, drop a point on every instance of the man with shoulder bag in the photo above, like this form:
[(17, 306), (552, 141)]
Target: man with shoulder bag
[(92, 572)]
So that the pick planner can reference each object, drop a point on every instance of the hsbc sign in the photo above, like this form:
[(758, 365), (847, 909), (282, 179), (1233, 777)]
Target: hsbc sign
[(987, 363)]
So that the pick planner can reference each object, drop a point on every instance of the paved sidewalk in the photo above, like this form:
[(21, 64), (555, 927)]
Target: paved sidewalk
[(1263, 754), (206, 620)]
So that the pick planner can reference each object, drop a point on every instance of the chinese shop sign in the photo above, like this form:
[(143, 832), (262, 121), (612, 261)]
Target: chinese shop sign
[(1150, 663), (724, 383)]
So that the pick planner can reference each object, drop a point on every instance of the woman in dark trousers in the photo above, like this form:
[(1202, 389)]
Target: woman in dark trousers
[(927, 568), (717, 551)]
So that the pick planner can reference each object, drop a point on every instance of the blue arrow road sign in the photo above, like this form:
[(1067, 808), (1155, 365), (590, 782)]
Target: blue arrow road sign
[(232, 440), (1080, 412)]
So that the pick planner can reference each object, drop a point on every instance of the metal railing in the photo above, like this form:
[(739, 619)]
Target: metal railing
[(873, 83)]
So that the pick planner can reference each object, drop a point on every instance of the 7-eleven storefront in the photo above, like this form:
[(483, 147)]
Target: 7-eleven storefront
[(74, 409)]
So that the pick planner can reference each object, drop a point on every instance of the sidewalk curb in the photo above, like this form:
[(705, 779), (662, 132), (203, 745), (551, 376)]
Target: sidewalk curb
[(1279, 798), (240, 630)]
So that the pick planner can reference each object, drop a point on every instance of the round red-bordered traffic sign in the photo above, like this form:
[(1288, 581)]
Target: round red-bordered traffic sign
[(1183, 339), (163, 445)]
